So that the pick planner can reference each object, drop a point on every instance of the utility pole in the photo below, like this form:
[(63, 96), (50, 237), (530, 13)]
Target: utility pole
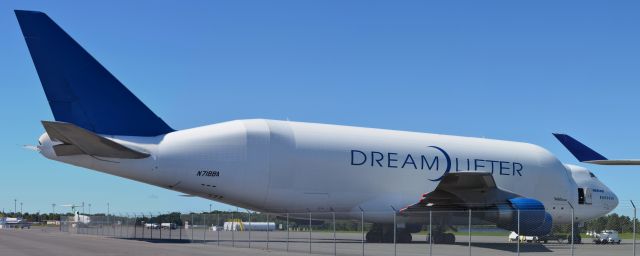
[(108, 209), (20, 207), (53, 208), (209, 207), (15, 207)]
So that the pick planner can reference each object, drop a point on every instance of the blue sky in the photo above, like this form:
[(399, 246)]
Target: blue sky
[(514, 70)]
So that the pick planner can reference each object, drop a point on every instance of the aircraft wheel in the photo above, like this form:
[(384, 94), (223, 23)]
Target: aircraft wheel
[(451, 238), (404, 237), (443, 238), (387, 237), (374, 236)]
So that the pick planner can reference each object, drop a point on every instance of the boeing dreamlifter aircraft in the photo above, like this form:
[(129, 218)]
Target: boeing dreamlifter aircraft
[(282, 166)]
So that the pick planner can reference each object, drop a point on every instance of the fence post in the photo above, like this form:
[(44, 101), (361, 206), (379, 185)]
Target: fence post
[(469, 231), (309, 231), (362, 228), (117, 233), (395, 227), (160, 224), (268, 231), (151, 226), (233, 231), (135, 226), (518, 237), (142, 226), (218, 229), (170, 225), (430, 234), (287, 231), (127, 226), (573, 218), (181, 228), (191, 227), (634, 227), (250, 228), (335, 248), (204, 225), (113, 224)]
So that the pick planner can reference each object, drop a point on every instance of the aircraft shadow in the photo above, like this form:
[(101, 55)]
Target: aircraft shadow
[(510, 247), (495, 246), (160, 241)]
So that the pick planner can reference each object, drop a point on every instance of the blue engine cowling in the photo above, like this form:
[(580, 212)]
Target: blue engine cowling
[(543, 229), (534, 220)]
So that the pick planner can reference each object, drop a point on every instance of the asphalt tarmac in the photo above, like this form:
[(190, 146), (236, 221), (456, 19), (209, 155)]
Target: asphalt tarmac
[(52, 242)]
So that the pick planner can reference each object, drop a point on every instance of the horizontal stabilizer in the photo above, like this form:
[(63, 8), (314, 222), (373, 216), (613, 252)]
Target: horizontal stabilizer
[(615, 162), (78, 141), (587, 155)]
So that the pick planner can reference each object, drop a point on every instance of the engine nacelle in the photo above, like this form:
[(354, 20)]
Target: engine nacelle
[(533, 219)]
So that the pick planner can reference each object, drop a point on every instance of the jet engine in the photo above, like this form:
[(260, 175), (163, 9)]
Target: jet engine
[(529, 213)]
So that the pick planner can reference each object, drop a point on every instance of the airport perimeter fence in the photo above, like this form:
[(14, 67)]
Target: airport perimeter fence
[(354, 233)]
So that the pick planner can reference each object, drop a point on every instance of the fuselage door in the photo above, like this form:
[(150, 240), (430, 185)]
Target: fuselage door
[(587, 196), (584, 196), (580, 195)]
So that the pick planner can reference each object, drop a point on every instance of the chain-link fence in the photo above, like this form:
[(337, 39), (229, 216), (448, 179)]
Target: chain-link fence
[(424, 232)]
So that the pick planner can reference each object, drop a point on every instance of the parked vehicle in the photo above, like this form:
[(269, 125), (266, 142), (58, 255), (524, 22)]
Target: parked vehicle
[(151, 225), (607, 237)]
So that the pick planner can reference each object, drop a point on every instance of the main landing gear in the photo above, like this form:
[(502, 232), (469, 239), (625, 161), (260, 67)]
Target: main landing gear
[(439, 237), (383, 233), (577, 239)]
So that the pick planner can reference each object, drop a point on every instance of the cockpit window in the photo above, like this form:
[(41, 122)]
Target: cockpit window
[(592, 175)]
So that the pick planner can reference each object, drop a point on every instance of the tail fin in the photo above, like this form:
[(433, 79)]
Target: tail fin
[(80, 90), (579, 150), (588, 155)]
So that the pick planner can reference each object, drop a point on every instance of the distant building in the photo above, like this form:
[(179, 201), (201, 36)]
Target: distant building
[(52, 222), (236, 225)]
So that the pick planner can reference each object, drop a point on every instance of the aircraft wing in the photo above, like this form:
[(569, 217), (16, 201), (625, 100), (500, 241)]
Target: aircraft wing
[(463, 190), (78, 141), (478, 191), (587, 155)]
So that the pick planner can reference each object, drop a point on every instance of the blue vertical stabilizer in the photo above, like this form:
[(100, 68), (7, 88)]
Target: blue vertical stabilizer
[(79, 89), (579, 150)]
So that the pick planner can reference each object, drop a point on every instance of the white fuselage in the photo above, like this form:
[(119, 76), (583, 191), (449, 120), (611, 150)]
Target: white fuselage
[(282, 166)]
